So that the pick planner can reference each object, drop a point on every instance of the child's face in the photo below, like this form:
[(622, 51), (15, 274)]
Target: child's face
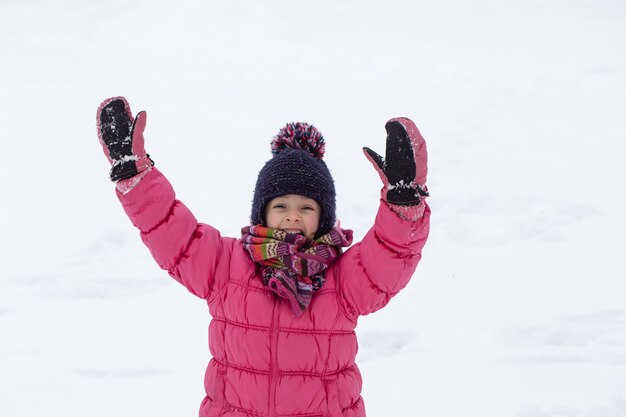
[(293, 213)]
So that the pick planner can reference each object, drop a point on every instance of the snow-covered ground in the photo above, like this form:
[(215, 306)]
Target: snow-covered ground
[(518, 308)]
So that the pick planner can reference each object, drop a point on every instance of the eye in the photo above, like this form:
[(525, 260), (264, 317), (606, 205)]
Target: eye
[(308, 208), (278, 206)]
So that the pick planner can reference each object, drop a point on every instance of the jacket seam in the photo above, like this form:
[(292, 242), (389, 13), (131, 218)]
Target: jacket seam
[(256, 413), (245, 410), (370, 278), (167, 217), (407, 252), (288, 373), (243, 325), (342, 301), (287, 329), (248, 286), (243, 368), (353, 405), (375, 286), (211, 299), (329, 338), (185, 252)]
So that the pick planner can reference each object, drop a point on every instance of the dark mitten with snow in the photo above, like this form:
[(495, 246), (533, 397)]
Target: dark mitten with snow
[(404, 168), (122, 140)]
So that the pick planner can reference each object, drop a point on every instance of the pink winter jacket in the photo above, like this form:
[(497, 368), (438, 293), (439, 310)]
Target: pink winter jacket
[(267, 362)]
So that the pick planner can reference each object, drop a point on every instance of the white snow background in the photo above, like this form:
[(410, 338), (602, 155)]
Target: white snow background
[(518, 308)]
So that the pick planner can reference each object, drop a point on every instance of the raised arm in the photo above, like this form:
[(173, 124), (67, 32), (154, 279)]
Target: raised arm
[(377, 268), (194, 254)]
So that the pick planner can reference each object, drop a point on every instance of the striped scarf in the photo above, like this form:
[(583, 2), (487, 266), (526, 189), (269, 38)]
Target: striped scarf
[(293, 266)]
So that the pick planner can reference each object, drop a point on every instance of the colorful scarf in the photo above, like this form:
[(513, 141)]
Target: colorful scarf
[(293, 266)]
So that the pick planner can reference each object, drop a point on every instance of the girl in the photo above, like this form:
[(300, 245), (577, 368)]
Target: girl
[(283, 298)]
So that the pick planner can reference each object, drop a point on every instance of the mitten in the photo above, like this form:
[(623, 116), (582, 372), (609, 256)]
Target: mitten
[(122, 140), (404, 168)]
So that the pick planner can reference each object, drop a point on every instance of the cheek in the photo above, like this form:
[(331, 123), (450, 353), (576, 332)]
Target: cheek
[(313, 222), (271, 220)]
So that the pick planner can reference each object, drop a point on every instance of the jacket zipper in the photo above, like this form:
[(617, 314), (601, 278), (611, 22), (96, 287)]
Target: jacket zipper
[(274, 358)]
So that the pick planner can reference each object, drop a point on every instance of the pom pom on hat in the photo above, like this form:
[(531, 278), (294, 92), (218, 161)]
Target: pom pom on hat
[(298, 135)]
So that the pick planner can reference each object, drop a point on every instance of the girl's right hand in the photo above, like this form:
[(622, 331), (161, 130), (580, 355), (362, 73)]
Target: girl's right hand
[(122, 140)]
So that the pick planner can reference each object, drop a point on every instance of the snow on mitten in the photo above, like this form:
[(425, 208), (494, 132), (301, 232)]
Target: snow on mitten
[(122, 140), (404, 168)]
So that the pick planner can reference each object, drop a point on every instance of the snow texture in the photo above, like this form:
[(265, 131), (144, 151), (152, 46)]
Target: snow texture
[(518, 308)]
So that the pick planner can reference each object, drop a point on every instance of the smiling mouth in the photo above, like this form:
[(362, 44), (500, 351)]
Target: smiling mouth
[(293, 231)]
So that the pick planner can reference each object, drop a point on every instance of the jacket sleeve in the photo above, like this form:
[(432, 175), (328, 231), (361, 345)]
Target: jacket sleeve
[(377, 268), (193, 253)]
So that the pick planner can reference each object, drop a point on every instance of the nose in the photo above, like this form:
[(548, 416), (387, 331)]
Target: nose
[(293, 217)]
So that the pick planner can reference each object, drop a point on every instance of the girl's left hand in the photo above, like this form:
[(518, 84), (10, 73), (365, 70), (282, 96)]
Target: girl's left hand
[(404, 168)]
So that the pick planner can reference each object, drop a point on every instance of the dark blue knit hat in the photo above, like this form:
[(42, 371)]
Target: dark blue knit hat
[(296, 168)]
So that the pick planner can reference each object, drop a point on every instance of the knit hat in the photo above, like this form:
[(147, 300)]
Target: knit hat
[(296, 168)]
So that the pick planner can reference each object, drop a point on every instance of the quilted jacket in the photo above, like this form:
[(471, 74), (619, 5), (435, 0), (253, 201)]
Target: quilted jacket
[(265, 361)]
